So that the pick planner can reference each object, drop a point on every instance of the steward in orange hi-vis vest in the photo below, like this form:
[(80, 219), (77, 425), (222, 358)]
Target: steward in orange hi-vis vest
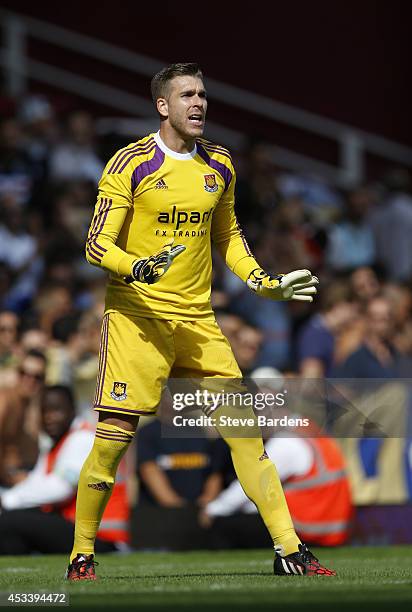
[(320, 500), (316, 485)]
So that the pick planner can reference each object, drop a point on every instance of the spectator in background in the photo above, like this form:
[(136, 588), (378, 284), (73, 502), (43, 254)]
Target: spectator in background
[(350, 242), (176, 476), (173, 471), (401, 300), (9, 354), (70, 216), (392, 227), (5, 284), (365, 285), (276, 247), (87, 363), (33, 338), (377, 356), (316, 344), (20, 419), (20, 250), (16, 171), (245, 339), (301, 247), (53, 301), (76, 158), (40, 132), (249, 342), (322, 202), (272, 319), (256, 192), (17, 246), (8, 339), (63, 349), (230, 324), (73, 357), (37, 515)]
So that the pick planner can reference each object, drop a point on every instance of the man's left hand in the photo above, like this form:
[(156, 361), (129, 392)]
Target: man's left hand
[(299, 285)]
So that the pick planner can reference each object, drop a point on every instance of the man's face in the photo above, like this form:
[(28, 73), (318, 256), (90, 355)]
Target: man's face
[(249, 342), (344, 313), (365, 283), (31, 376), (380, 319), (8, 331), (56, 414), (185, 106)]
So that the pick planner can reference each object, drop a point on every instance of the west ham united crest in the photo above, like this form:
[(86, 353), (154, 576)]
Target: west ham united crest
[(210, 183), (119, 391)]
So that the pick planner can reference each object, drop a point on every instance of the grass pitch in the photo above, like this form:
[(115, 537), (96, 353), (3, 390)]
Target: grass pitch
[(369, 578)]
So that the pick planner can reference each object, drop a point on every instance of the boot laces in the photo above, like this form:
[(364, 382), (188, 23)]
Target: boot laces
[(306, 556), (87, 561)]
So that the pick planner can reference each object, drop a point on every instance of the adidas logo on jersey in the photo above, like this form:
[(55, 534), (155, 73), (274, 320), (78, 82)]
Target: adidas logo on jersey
[(161, 185)]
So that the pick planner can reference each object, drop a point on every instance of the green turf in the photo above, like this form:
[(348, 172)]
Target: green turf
[(368, 578)]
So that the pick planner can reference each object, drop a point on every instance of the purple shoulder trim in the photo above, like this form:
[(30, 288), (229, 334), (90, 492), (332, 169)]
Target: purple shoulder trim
[(213, 163), (148, 167), (207, 144), (223, 152), (123, 153)]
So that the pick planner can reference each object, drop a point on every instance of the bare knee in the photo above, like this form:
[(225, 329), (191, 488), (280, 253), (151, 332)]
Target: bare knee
[(129, 423)]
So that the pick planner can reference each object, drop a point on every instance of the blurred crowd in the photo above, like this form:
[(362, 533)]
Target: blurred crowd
[(358, 242)]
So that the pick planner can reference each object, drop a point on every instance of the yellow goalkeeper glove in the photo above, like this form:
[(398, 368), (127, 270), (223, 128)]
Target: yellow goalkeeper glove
[(151, 269), (299, 285)]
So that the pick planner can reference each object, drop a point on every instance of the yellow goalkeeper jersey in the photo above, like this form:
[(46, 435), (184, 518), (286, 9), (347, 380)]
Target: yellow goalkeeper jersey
[(149, 194)]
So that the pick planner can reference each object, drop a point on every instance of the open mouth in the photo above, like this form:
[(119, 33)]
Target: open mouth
[(196, 119)]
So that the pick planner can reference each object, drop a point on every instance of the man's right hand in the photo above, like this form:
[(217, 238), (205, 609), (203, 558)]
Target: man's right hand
[(151, 269), (205, 520)]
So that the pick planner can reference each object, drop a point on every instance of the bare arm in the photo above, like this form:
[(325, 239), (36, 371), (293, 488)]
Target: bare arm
[(211, 489), (159, 486), (11, 422), (312, 367)]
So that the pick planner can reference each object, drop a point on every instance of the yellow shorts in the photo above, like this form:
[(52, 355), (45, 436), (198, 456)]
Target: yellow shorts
[(138, 355)]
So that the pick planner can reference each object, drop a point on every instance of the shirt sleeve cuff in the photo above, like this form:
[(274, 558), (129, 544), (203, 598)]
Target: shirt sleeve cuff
[(118, 261), (244, 267)]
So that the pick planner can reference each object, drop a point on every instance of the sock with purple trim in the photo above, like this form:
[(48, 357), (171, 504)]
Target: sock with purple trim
[(96, 483)]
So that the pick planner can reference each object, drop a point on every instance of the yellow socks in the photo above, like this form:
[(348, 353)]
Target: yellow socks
[(256, 473), (260, 481), (96, 482)]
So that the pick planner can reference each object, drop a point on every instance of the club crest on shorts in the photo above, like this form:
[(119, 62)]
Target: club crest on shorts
[(118, 392), (210, 183)]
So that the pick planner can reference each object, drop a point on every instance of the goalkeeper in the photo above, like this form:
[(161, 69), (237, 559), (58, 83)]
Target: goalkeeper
[(162, 201)]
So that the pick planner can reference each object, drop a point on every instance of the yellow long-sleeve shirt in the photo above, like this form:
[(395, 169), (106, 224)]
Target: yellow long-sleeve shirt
[(149, 194)]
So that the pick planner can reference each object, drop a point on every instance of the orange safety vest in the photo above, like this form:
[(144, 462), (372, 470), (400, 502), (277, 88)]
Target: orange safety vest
[(114, 526), (320, 501)]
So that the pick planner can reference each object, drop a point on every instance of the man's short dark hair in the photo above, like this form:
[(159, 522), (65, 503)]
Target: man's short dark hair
[(161, 80), (64, 391)]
